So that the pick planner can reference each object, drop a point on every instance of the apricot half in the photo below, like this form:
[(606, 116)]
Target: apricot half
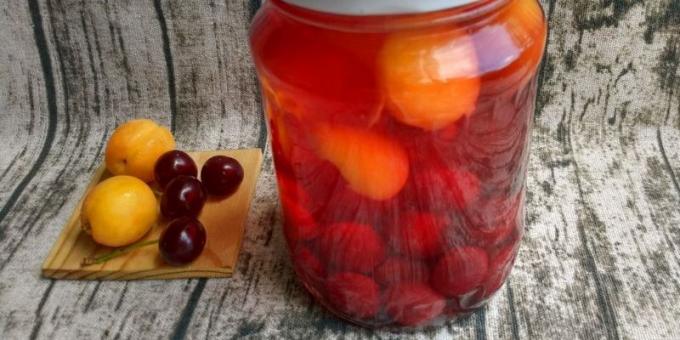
[(526, 24), (510, 48), (372, 164), (135, 147), (431, 78)]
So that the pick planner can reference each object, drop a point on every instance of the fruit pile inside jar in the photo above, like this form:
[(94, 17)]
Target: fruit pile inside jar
[(400, 154)]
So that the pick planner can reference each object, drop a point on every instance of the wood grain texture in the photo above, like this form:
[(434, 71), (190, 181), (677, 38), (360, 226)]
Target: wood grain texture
[(224, 220), (601, 257)]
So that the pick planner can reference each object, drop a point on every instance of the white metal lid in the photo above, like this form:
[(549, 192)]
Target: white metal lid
[(378, 7)]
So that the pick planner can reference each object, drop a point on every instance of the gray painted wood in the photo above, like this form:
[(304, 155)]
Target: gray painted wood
[(601, 257)]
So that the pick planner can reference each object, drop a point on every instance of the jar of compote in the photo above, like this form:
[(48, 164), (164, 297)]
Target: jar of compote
[(400, 134)]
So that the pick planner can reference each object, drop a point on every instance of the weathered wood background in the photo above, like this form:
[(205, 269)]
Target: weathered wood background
[(601, 258)]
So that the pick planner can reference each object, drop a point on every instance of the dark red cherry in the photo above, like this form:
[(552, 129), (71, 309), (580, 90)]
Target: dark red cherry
[(173, 164), (182, 241), (221, 175), (184, 196)]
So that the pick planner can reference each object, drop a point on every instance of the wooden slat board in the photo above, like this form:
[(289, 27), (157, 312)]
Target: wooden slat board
[(601, 257), (223, 219)]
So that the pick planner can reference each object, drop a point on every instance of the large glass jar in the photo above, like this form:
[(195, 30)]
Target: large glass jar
[(400, 141)]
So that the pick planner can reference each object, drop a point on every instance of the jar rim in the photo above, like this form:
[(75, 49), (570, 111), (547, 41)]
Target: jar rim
[(378, 7), (387, 22)]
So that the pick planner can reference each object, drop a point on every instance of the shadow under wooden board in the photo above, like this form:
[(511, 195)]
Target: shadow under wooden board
[(224, 221)]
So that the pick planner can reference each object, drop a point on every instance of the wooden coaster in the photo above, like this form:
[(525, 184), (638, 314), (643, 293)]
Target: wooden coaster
[(224, 220)]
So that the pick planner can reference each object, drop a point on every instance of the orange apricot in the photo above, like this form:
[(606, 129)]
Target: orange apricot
[(431, 78), (527, 26), (119, 211), (372, 164), (517, 38), (135, 147), (526, 20)]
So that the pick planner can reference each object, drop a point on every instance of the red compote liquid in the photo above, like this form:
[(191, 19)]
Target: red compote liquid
[(401, 144)]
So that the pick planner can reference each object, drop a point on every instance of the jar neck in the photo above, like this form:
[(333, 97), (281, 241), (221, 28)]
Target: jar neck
[(378, 23)]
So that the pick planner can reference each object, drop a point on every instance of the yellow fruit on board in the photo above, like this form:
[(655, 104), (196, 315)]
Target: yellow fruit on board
[(135, 147), (119, 211)]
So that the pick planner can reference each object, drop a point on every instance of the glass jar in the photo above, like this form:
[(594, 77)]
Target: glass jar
[(400, 142)]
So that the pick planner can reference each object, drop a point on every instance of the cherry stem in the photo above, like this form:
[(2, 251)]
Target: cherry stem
[(90, 260)]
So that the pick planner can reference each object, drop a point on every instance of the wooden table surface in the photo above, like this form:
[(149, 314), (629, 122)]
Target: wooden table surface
[(601, 257)]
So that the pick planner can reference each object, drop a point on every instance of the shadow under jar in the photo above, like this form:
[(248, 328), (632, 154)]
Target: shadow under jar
[(400, 138)]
